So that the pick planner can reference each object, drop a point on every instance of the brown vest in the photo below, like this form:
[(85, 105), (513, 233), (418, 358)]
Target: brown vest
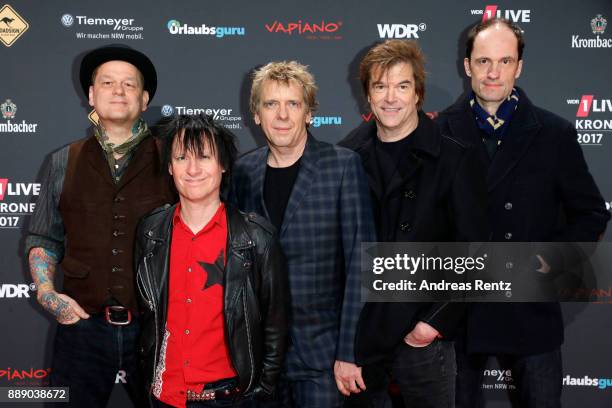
[(100, 219)]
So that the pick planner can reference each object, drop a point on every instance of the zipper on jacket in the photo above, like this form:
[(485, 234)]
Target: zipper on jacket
[(246, 322), (154, 309), (142, 287)]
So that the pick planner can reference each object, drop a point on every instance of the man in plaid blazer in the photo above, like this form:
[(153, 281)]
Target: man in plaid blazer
[(317, 196)]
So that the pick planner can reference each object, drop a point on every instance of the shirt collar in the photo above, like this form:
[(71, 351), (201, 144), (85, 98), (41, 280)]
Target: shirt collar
[(215, 221)]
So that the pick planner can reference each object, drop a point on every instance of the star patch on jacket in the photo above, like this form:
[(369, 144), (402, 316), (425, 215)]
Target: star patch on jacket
[(214, 271)]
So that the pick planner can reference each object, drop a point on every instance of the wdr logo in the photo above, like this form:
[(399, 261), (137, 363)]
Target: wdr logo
[(21, 290), (400, 30)]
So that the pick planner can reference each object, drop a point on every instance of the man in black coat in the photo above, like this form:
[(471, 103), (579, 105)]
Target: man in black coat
[(539, 190), (424, 187)]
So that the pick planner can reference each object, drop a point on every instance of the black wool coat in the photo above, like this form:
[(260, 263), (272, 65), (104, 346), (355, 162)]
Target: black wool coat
[(539, 190), (437, 194)]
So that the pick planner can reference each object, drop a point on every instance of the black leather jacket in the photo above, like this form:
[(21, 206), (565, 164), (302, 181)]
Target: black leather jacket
[(255, 295)]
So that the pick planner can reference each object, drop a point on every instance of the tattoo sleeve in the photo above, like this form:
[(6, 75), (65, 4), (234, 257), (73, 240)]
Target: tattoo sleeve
[(42, 268)]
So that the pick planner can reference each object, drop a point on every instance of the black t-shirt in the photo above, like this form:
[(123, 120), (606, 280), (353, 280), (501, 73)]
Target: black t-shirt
[(388, 156), (278, 184)]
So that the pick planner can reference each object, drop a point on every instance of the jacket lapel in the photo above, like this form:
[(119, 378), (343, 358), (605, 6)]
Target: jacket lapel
[(160, 236), (257, 178), (306, 174), (238, 246), (370, 164), (463, 127), (425, 140)]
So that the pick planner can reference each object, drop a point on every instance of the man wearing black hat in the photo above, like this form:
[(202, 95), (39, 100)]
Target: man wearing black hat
[(94, 192)]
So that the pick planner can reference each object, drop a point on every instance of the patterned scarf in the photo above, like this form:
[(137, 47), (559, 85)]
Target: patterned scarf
[(140, 131), (494, 126)]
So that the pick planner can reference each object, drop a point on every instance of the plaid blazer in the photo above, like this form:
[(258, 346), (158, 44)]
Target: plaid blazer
[(327, 217)]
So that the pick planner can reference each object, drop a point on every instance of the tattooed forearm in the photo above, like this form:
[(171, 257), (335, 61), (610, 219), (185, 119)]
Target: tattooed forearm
[(57, 306), (42, 268)]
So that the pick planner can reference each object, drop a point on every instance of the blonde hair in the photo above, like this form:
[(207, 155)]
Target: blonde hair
[(285, 72)]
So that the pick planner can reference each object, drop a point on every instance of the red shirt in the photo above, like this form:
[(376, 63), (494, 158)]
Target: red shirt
[(194, 351)]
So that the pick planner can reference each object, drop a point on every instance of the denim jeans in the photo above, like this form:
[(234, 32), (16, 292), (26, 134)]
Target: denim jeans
[(87, 357), (537, 378), (425, 377)]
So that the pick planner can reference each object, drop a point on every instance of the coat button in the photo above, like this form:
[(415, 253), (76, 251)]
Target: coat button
[(508, 206), (247, 265), (508, 235), (115, 251), (509, 265), (118, 199), (405, 226), (410, 194), (117, 269)]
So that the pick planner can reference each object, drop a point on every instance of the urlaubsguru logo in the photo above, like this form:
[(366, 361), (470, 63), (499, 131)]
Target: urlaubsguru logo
[(175, 27)]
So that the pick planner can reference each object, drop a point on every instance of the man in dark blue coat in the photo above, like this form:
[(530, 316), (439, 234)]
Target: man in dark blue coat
[(539, 190)]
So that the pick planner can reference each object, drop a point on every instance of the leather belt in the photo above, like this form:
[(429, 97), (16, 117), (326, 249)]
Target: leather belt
[(223, 392), (117, 315)]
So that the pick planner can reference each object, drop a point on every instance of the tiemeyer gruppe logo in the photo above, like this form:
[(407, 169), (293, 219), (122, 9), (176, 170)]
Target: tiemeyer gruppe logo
[(492, 11), (177, 28), (12, 213), (593, 119), (8, 110), (400, 30), (103, 28), (498, 379), (309, 29), (12, 25), (596, 37), (587, 381), (224, 116)]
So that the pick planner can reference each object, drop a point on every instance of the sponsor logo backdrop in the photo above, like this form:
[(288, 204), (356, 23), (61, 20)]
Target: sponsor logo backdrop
[(204, 54)]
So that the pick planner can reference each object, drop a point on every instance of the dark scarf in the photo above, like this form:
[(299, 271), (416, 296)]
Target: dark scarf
[(494, 126)]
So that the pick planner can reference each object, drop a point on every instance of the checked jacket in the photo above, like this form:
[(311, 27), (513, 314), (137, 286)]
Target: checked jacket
[(327, 217)]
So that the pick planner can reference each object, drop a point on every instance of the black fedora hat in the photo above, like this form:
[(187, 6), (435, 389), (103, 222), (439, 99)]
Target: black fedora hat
[(99, 56)]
